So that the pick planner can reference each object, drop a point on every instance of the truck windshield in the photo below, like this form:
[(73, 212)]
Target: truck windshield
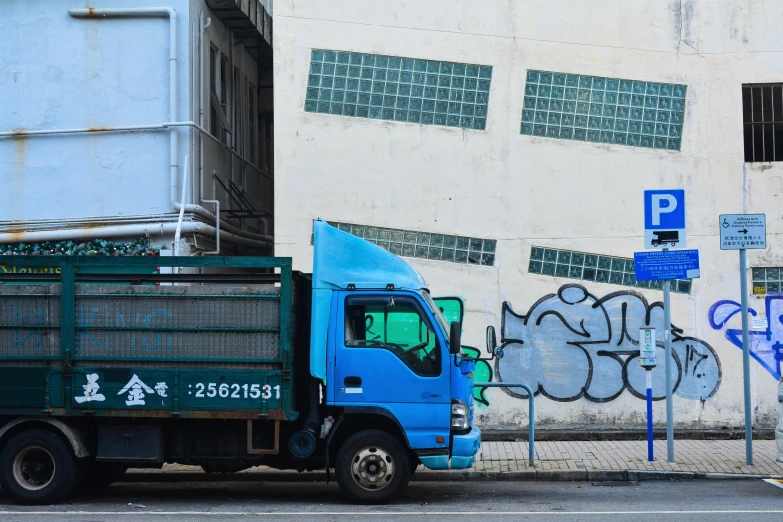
[(436, 312)]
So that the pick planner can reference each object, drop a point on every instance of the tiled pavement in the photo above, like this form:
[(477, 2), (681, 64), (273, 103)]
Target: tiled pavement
[(699, 456), (694, 456)]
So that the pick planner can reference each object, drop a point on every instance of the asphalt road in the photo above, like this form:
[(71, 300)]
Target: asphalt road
[(711, 500)]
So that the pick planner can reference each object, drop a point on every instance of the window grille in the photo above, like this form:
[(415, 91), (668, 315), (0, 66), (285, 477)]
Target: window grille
[(762, 116), (426, 245), (594, 267), (400, 89), (603, 110)]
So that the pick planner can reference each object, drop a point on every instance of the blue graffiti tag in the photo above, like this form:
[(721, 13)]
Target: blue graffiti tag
[(147, 324), (765, 346), (33, 318), (80, 328), (145, 328)]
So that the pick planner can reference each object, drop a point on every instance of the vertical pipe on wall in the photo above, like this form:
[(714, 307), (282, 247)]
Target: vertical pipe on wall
[(230, 80), (193, 92), (215, 202)]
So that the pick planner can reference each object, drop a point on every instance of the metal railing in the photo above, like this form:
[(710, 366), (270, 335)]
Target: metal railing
[(531, 433)]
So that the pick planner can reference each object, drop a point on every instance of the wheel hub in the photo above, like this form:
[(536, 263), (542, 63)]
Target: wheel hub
[(372, 468), (34, 468)]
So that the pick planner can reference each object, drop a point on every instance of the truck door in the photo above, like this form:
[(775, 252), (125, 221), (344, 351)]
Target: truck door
[(389, 355)]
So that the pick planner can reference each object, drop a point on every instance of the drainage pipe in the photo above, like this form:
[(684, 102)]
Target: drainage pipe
[(178, 232), (189, 227), (203, 27), (155, 126)]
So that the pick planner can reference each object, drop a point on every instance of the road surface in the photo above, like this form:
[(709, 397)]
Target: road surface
[(710, 500)]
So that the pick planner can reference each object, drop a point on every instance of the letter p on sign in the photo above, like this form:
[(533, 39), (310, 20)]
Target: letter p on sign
[(662, 204)]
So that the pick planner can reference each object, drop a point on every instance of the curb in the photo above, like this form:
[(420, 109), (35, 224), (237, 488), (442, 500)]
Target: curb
[(450, 476), (568, 435)]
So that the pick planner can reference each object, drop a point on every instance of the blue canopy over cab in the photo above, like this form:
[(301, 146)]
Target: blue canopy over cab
[(342, 259)]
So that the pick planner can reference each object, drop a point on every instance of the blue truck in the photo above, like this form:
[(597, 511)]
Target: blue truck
[(229, 362)]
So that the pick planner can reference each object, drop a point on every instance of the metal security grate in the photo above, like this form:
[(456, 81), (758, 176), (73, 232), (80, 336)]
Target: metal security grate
[(30, 321), (398, 89), (594, 267), (762, 116), (426, 245), (209, 322), (603, 110), (767, 280)]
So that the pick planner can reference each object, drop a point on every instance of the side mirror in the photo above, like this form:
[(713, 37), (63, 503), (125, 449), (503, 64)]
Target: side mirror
[(455, 341), (492, 340)]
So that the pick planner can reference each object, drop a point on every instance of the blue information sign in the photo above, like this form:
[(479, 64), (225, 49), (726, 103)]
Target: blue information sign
[(666, 265)]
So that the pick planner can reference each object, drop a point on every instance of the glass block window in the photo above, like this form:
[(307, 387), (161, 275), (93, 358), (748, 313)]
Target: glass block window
[(762, 116), (426, 245), (767, 280), (398, 89), (603, 110), (594, 267)]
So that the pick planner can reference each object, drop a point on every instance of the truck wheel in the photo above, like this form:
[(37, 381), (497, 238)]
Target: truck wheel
[(372, 467), (37, 467)]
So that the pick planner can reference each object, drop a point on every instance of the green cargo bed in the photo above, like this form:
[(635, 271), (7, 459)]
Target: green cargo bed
[(212, 340)]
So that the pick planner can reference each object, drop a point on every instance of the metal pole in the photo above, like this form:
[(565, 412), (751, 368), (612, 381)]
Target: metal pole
[(531, 431), (667, 319), (746, 357), (650, 451)]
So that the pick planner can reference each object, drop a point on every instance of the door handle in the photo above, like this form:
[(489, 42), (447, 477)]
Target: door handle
[(352, 381)]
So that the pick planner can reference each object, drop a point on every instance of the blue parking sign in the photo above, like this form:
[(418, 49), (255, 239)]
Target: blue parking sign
[(664, 219)]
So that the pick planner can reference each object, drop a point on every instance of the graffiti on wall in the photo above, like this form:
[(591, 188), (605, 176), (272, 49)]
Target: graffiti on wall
[(572, 345), (765, 345)]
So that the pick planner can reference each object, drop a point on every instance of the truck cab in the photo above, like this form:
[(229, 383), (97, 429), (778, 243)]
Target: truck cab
[(389, 357)]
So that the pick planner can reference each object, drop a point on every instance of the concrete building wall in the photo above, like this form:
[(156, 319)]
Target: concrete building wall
[(62, 72), (526, 191)]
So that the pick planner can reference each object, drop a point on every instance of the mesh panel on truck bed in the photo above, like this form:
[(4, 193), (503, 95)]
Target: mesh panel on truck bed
[(30, 320), (154, 323)]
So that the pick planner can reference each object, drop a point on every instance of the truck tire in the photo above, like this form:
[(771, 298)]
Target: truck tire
[(37, 467), (372, 467)]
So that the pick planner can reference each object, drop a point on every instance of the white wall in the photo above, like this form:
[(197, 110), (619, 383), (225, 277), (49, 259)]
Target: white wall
[(526, 191)]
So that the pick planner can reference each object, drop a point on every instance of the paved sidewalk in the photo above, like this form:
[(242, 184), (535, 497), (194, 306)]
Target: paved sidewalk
[(695, 456), (555, 460)]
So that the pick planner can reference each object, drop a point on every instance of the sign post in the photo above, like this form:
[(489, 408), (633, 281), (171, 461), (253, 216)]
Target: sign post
[(664, 226), (740, 232), (647, 359)]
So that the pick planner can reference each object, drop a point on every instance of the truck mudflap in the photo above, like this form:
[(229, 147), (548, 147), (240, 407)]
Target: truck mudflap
[(463, 453)]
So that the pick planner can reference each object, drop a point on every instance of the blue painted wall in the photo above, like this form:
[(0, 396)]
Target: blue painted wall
[(61, 72)]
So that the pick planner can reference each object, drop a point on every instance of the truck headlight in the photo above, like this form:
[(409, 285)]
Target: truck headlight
[(460, 415)]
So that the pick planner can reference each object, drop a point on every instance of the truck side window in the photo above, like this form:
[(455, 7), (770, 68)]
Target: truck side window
[(395, 324)]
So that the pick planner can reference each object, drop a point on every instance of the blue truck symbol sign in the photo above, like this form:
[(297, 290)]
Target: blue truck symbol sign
[(664, 218)]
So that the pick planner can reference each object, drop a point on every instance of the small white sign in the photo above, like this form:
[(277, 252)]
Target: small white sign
[(738, 231), (758, 323), (647, 347)]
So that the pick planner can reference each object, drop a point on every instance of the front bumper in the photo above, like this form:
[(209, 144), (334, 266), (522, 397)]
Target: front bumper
[(463, 452)]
